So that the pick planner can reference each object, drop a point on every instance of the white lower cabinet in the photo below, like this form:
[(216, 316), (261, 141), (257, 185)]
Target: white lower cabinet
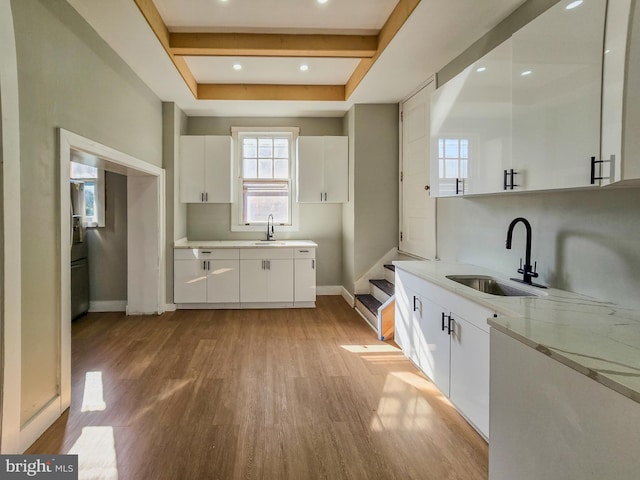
[(206, 276), (267, 275), (447, 337), (245, 277)]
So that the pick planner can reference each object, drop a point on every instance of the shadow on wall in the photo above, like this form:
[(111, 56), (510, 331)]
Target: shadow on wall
[(570, 245)]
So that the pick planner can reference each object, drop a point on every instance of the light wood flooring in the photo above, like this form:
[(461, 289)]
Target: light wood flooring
[(255, 394)]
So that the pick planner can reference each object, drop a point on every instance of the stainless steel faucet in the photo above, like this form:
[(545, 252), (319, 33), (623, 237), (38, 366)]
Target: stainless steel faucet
[(270, 230)]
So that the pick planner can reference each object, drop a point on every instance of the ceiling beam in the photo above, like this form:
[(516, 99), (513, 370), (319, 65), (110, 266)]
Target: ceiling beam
[(153, 18), (273, 45), (226, 91), (392, 26)]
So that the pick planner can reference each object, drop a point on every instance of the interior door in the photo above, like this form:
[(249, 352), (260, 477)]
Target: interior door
[(418, 209)]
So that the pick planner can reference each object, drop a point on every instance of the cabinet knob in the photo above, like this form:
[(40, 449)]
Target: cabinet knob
[(427, 187)]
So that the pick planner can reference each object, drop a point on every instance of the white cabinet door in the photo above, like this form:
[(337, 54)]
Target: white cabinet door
[(223, 281), (217, 169), (310, 169), (404, 317), (336, 169), (189, 281), (471, 127), (620, 103), (192, 179), (205, 169), (253, 281), (305, 280), (323, 169), (432, 343), (556, 81), (469, 387), (280, 280)]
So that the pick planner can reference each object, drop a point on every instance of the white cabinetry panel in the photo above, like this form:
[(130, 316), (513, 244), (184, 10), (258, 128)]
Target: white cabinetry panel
[(205, 169), (323, 169)]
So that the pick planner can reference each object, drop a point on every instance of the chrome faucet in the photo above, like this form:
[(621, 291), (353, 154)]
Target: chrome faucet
[(270, 230), (526, 270)]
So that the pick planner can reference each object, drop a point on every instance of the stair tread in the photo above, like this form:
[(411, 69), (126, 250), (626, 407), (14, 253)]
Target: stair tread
[(385, 285), (370, 302), (391, 267)]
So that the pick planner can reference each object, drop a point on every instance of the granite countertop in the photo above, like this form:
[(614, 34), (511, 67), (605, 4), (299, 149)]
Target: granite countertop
[(184, 243), (596, 338)]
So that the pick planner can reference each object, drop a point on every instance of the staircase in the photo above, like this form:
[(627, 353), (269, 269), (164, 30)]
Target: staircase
[(378, 306)]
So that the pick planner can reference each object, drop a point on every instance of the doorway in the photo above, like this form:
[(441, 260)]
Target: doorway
[(145, 238), (417, 208)]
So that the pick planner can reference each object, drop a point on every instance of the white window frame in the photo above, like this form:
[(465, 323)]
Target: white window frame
[(236, 207)]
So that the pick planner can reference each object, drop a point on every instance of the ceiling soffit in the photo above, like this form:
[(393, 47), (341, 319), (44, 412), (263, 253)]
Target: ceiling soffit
[(364, 47)]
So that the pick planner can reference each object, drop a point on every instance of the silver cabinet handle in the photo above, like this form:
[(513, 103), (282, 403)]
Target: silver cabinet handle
[(201, 196), (320, 196), (313, 264), (268, 264), (325, 196), (209, 265), (206, 196), (262, 264)]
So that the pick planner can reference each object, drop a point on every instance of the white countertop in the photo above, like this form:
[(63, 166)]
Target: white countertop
[(184, 243), (596, 338)]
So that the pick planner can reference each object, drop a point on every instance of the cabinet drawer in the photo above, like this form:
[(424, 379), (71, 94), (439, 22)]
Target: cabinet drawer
[(265, 253), (305, 253), (206, 253)]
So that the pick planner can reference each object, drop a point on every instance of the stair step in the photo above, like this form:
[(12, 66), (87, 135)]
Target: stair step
[(370, 302), (390, 267), (385, 285)]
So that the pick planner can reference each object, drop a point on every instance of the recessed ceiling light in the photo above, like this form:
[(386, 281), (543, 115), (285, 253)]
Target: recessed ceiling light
[(304, 67), (481, 69), (237, 66), (525, 73), (573, 5), (322, 1)]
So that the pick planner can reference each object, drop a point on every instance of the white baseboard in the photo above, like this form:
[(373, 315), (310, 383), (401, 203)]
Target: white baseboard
[(350, 299), (329, 290), (108, 306), (170, 307)]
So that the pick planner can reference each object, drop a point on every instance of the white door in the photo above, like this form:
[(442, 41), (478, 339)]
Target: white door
[(280, 280), (192, 153), (189, 281), (305, 280), (418, 209), (253, 287), (336, 169), (223, 282), (469, 388), (310, 169)]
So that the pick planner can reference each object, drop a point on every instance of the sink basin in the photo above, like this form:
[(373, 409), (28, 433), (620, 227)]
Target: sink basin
[(491, 286), (268, 244)]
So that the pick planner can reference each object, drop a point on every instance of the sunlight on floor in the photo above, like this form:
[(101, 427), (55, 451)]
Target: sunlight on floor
[(382, 348), (96, 452), (92, 399)]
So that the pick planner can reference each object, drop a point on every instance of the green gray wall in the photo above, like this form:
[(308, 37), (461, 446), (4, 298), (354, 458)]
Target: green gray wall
[(108, 245), (371, 216), (583, 241), (68, 78), (321, 223)]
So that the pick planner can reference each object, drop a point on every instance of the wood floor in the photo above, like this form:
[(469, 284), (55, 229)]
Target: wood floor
[(255, 394)]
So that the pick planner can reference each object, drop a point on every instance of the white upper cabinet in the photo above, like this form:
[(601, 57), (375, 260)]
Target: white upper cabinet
[(556, 95), (323, 169), (205, 169), (620, 101), (471, 128)]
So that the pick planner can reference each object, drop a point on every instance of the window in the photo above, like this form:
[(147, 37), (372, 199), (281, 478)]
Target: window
[(453, 157), (93, 180), (265, 164)]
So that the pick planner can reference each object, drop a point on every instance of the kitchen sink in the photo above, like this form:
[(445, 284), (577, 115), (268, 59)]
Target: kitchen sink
[(490, 285), (268, 244)]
